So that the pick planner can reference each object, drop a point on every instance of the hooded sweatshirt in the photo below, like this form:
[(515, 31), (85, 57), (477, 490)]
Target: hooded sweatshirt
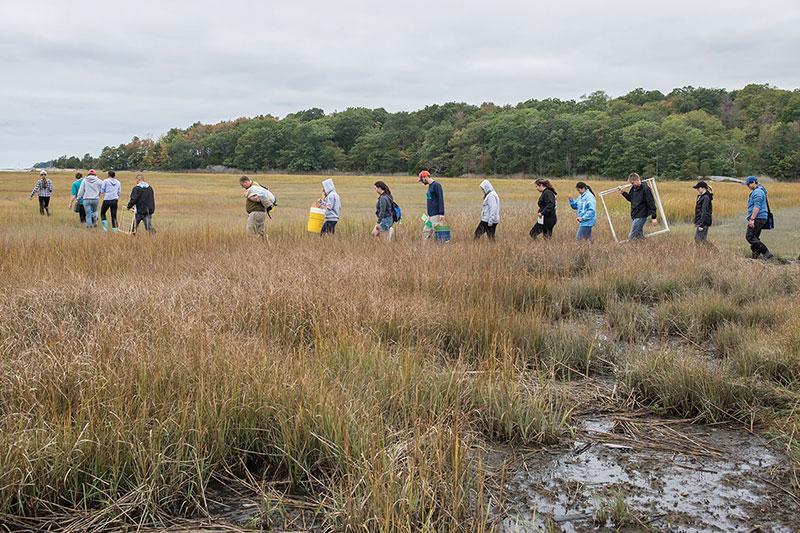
[(331, 202), (586, 206), (491, 204), (112, 189), (143, 197), (90, 188)]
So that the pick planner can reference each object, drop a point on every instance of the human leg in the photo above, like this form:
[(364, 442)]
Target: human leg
[(637, 229)]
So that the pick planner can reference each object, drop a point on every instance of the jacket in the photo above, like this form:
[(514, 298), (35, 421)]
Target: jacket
[(702, 210), (642, 202), (111, 189), (143, 197), (331, 202), (90, 188), (547, 204), (435, 199), (383, 208), (586, 206), (43, 187), (491, 204), (757, 198)]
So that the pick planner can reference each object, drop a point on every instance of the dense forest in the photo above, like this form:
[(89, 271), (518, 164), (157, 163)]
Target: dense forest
[(686, 133)]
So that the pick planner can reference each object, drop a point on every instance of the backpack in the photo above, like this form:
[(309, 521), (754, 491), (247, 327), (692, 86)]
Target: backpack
[(273, 201), (397, 213)]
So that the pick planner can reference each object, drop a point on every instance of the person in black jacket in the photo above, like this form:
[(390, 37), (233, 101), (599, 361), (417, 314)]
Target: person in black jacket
[(702, 211), (144, 199), (642, 205), (546, 215)]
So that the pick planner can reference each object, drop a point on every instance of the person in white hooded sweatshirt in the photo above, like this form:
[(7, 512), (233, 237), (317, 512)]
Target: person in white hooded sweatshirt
[(490, 214), (89, 195), (332, 205)]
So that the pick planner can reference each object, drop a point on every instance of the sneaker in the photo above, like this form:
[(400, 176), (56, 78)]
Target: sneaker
[(768, 255), (755, 255)]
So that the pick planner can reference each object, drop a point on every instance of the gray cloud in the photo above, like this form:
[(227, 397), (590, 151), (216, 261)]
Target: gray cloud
[(80, 75)]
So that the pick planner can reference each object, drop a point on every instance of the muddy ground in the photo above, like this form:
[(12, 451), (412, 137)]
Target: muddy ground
[(639, 473)]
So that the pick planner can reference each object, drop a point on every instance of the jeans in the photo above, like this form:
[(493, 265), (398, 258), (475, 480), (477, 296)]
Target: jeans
[(584, 233), (385, 224), (700, 235), (637, 229), (329, 227), (753, 237), (255, 222), (44, 205), (484, 227), (112, 205), (147, 218), (90, 206), (545, 229)]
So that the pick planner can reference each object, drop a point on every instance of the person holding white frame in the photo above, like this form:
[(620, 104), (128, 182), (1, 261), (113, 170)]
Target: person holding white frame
[(642, 205)]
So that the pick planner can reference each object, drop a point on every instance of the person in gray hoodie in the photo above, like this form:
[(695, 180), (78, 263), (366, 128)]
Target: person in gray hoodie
[(89, 195), (332, 205), (490, 214)]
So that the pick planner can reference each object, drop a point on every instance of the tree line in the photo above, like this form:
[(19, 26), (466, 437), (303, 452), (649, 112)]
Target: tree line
[(686, 133)]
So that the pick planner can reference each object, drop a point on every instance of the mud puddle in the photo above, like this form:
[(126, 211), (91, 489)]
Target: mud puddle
[(644, 474)]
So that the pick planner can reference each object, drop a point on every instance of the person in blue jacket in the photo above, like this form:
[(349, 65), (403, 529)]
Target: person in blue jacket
[(586, 206), (757, 216)]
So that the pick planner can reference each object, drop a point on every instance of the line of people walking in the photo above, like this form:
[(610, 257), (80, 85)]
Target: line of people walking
[(94, 199)]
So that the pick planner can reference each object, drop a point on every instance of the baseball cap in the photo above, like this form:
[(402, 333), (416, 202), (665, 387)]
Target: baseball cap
[(424, 174), (700, 184), (93, 172), (750, 179)]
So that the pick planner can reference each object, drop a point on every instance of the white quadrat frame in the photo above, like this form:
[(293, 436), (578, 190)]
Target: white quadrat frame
[(657, 198)]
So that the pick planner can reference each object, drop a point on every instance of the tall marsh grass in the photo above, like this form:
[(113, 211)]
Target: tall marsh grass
[(367, 377)]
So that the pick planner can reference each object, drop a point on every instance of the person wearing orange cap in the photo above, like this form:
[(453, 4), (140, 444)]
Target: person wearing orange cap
[(434, 204)]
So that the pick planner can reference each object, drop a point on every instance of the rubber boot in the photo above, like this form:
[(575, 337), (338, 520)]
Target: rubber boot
[(105, 224)]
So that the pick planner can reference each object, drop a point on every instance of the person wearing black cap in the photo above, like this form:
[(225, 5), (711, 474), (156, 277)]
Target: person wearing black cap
[(702, 211)]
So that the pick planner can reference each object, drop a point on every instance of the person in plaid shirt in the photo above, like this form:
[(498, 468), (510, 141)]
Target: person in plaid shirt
[(45, 189)]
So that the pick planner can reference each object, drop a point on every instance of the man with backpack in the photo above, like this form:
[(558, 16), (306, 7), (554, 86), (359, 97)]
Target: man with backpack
[(258, 202), (758, 218), (642, 205), (434, 204)]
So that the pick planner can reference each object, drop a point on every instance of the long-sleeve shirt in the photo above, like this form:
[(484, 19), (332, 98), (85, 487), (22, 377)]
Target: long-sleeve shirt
[(586, 206), (44, 189), (435, 199), (547, 204), (757, 198), (111, 188)]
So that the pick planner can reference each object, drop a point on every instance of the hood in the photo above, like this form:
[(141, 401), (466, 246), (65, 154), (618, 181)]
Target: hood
[(486, 186), (143, 185), (91, 178), (327, 186)]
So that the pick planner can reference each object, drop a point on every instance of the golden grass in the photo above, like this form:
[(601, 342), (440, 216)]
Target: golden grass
[(366, 376)]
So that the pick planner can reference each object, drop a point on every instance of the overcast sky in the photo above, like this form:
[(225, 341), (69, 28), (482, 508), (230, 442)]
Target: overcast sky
[(80, 75)]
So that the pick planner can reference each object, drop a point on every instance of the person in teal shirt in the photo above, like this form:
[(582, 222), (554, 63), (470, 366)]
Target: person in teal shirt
[(757, 218), (74, 203)]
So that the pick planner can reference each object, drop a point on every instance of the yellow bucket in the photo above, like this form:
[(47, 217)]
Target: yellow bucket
[(316, 218)]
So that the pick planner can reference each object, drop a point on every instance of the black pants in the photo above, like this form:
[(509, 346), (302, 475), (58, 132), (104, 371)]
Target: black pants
[(753, 237), (81, 212), (328, 227), (44, 205), (484, 227), (545, 229), (147, 218), (701, 236), (112, 205)]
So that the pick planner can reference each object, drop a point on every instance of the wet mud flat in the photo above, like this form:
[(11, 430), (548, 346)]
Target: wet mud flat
[(640, 474)]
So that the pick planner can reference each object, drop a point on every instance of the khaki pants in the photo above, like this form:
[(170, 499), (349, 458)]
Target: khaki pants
[(436, 220), (255, 223)]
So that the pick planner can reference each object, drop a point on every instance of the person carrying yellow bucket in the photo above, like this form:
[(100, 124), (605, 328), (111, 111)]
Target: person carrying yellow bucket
[(332, 205)]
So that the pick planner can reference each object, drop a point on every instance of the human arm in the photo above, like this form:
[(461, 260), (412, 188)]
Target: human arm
[(548, 203), (651, 204), (134, 197)]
